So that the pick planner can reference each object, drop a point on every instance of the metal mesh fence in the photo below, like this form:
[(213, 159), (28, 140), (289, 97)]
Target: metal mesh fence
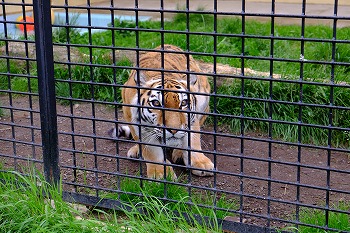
[(277, 132), (18, 149)]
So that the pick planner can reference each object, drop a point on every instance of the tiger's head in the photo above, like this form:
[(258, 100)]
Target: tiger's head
[(166, 108)]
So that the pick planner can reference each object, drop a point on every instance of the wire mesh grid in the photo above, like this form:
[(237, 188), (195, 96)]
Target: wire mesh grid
[(277, 130), (18, 150)]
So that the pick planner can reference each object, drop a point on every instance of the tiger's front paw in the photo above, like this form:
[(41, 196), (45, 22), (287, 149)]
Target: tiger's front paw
[(199, 160), (133, 152), (156, 171)]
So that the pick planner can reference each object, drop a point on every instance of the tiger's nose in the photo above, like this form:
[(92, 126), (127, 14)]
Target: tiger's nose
[(172, 131)]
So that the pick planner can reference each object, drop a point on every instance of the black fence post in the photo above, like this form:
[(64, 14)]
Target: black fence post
[(47, 95)]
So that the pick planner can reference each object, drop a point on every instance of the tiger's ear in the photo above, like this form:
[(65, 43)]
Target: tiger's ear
[(193, 79), (141, 79)]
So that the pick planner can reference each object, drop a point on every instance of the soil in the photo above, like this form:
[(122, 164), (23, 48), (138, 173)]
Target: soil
[(244, 166)]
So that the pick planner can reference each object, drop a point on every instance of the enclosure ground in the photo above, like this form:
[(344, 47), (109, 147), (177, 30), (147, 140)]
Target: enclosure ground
[(94, 153)]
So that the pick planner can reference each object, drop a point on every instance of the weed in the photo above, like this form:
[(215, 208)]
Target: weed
[(14, 82)]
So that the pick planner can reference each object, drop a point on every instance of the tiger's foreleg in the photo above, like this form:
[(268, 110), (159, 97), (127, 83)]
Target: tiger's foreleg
[(153, 154), (149, 153), (196, 159)]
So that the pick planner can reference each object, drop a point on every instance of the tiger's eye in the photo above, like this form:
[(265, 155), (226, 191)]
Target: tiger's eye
[(184, 103), (156, 103)]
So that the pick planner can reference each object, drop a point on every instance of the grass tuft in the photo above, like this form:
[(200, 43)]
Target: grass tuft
[(25, 209)]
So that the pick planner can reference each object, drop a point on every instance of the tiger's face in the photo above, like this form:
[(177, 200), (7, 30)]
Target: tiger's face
[(165, 111)]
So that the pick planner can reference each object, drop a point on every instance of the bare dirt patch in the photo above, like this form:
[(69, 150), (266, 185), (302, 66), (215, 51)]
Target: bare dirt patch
[(265, 173)]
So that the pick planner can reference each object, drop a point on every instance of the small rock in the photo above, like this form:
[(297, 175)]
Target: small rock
[(235, 219)]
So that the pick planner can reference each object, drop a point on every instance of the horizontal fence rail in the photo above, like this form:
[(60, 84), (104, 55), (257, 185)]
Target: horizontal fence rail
[(274, 147)]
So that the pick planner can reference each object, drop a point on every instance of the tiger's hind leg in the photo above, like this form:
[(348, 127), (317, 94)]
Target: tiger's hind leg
[(123, 131)]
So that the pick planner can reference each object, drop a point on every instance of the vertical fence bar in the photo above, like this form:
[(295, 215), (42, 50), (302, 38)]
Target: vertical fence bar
[(331, 117), (300, 113), (215, 99), (46, 82), (138, 72), (242, 132), (270, 112), (188, 50)]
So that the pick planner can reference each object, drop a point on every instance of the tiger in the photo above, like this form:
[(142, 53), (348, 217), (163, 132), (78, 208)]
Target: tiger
[(165, 106)]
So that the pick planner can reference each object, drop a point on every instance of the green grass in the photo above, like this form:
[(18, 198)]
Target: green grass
[(88, 82), (339, 221), (24, 209), (59, 34), (202, 201)]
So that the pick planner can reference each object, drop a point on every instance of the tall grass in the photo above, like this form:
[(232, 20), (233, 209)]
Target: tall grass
[(24, 208), (15, 82)]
